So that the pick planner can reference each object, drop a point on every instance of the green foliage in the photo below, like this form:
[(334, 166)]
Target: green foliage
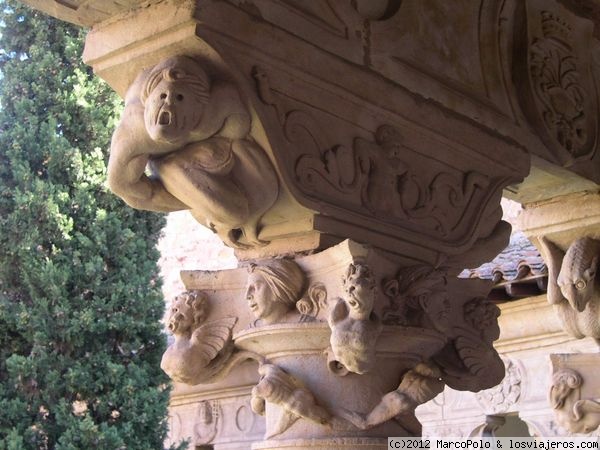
[(80, 301)]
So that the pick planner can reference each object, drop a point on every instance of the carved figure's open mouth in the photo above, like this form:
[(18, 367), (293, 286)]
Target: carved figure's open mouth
[(164, 118)]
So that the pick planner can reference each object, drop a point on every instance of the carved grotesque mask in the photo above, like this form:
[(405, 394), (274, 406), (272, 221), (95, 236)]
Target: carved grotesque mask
[(172, 112), (181, 318), (360, 291), (187, 310)]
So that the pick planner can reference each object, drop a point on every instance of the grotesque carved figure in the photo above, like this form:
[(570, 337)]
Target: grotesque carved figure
[(200, 352), (419, 385), (280, 388), (273, 289), (354, 326), (572, 284), (576, 278), (573, 413), (193, 135)]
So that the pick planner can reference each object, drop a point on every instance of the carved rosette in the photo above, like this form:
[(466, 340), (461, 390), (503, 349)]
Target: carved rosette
[(558, 91), (503, 397)]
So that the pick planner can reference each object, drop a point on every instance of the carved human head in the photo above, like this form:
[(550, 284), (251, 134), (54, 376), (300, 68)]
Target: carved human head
[(187, 311), (360, 290), (174, 96), (273, 289)]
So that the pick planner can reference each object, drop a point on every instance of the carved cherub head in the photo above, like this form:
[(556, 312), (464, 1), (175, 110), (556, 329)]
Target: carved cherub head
[(174, 95), (360, 291), (273, 289), (188, 310)]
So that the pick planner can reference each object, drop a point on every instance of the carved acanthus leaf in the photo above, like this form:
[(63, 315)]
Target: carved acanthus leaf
[(561, 96)]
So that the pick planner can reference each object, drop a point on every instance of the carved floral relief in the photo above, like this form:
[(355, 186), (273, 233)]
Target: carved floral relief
[(503, 397), (560, 96), (381, 178)]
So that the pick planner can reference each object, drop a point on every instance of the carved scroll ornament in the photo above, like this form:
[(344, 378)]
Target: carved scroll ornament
[(192, 133), (573, 413), (381, 177)]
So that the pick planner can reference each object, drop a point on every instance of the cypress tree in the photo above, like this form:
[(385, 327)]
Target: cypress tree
[(80, 301)]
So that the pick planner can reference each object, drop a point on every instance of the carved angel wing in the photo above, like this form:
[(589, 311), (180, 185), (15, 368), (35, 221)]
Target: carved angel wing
[(212, 337)]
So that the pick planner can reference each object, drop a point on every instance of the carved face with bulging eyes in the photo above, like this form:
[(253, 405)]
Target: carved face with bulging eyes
[(360, 291), (172, 112)]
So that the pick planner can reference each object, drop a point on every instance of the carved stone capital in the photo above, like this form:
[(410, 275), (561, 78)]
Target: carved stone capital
[(279, 157), (331, 332)]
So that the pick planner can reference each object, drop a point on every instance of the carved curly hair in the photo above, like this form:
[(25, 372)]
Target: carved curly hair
[(196, 300)]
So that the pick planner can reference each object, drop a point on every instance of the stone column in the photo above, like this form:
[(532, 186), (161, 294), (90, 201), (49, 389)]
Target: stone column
[(567, 231)]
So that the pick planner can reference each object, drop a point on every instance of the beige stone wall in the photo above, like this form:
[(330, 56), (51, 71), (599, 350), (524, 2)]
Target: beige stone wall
[(187, 245)]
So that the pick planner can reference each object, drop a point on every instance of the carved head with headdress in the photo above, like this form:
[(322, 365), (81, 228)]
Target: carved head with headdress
[(274, 288)]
